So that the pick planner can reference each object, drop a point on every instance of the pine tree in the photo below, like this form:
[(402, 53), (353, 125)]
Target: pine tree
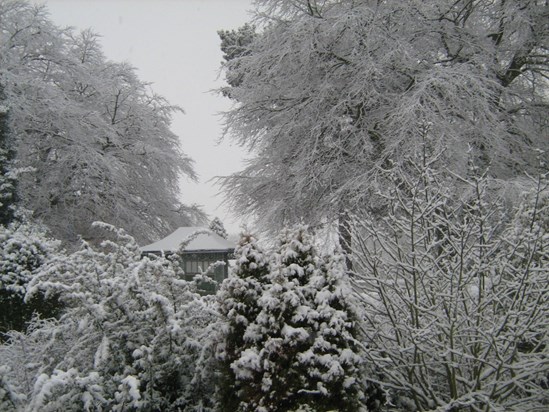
[(216, 226), (301, 350), (238, 301)]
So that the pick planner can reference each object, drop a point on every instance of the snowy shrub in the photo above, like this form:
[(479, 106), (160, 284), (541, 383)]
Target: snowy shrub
[(456, 295), (23, 250), (27, 355), (68, 391), (10, 399), (238, 304), (130, 336), (301, 348)]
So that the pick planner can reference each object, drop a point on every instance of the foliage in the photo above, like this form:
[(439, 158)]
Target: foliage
[(234, 44), (330, 93), (300, 351), (96, 138), (130, 338), (24, 249), (8, 194), (238, 304), (216, 226), (456, 294)]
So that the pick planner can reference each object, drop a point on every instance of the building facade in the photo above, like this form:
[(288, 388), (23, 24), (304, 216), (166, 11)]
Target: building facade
[(200, 252)]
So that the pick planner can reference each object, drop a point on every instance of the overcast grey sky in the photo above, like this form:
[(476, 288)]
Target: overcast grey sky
[(174, 45)]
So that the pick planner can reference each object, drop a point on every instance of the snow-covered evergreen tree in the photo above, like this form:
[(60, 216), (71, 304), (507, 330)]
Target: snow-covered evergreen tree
[(216, 226), (301, 349), (238, 303), (333, 361)]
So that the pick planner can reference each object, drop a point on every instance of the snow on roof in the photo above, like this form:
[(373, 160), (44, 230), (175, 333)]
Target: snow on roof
[(203, 242)]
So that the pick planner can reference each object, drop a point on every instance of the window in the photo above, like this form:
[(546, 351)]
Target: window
[(195, 263)]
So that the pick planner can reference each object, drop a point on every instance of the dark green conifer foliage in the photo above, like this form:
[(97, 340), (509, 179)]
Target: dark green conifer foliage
[(22, 253), (301, 351), (238, 299), (8, 195)]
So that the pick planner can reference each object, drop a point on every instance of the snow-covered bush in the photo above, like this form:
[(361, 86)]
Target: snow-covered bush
[(301, 349), (10, 399), (23, 250), (238, 304), (456, 295), (130, 337)]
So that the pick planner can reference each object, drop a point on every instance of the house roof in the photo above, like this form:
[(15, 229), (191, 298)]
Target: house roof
[(209, 241)]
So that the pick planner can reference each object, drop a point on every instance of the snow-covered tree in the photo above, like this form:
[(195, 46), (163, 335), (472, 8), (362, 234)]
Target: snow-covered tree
[(235, 43), (301, 350), (216, 226), (97, 138), (129, 338), (332, 363), (8, 194), (330, 93), (238, 304), (456, 294)]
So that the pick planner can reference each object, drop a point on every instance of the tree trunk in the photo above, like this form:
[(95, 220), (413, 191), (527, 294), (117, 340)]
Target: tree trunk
[(345, 236)]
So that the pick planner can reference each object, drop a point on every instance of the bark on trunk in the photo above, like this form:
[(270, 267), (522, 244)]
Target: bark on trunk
[(345, 236)]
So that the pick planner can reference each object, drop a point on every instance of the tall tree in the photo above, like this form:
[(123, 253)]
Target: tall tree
[(331, 93), (8, 192), (97, 138)]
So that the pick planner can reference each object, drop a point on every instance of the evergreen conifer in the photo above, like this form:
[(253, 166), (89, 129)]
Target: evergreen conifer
[(238, 300), (301, 351)]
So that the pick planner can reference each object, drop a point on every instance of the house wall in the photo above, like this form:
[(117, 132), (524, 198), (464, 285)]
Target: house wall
[(196, 263)]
